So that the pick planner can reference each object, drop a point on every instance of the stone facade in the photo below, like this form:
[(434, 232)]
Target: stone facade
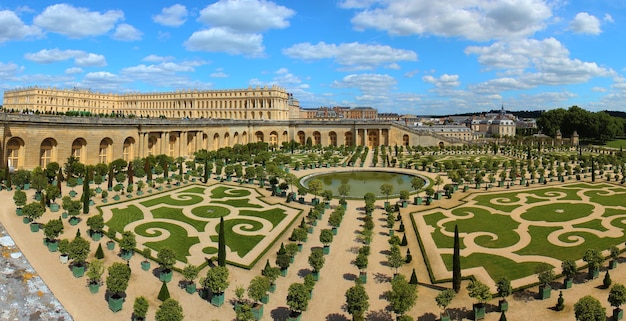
[(176, 124)]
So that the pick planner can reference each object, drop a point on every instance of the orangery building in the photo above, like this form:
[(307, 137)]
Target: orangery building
[(43, 125)]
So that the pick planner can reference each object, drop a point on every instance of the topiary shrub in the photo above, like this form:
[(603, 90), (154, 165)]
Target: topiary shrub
[(99, 252), (164, 293)]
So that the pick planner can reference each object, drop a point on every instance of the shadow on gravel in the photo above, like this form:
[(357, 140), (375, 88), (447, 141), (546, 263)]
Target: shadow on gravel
[(280, 313), (427, 317), (336, 317), (379, 315)]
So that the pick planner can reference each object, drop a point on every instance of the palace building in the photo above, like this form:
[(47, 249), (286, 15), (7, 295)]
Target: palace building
[(105, 126)]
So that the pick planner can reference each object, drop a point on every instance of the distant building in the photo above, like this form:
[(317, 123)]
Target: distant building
[(491, 124)]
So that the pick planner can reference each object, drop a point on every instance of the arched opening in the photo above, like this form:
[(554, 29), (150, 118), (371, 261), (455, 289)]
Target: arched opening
[(15, 152), (105, 151), (128, 150), (332, 137), (47, 152), (317, 138), (259, 136), (349, 139), (274, 139), (216, 141), (79, 150), (152, 142), (236, 138), (372, 139), (227, 139), (405, 140), (301, 138)]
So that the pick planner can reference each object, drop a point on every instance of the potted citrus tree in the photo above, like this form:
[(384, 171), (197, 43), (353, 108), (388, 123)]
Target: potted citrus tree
[(594, 259), (19, 197), (78, 252), (145, 264), (190, 273), (297, 301), (166, 258), (272, 273), (52, 230), (94, 275), (316, 261), (127, 245), (140, 308), (216, 281), (326, 237), (33, 211), (569, 270), (504, 290), (96, 225), (545, 275), (64, 249), (443, 299), (479, 291), (257, 291), (617, 297), (117, 283)]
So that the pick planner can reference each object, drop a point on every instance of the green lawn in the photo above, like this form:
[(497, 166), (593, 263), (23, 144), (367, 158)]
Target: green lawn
[(486, 217), (188, 216)]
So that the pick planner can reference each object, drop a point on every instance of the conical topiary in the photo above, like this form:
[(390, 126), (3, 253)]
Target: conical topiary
[(164, 293), (413, 279), (99, 252), (401, 229), (404, 241)]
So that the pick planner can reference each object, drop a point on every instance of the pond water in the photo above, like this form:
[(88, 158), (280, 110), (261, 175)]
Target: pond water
[(363, 181)]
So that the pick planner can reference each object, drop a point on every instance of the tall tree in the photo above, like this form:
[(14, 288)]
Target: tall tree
[(589, 308), (357, 302), (221, 245), (86, 197), (456, 262)]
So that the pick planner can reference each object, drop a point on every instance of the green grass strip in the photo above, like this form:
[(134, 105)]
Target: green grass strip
[(124, 216)]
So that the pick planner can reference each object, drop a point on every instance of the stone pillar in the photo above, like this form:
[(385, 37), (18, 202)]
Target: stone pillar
[(165, 143)]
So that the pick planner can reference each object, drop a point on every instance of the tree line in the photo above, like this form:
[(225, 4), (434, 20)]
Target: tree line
[(599, 126)]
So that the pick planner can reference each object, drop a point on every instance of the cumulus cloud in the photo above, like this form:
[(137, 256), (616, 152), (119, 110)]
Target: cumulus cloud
[(81, 58), (8, 70), (534, 63), (585, 23), (367, 83), (473, 19), (253, 16), (157, 58), (444, 81), (224, 40), (126, 32), (73, 71), (76, 22), (13, 28), (362, 56), (173, 16)]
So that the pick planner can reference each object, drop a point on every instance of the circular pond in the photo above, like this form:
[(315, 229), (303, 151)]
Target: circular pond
[(363, 181)]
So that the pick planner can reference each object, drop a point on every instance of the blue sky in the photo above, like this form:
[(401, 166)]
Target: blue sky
[(417, 57)]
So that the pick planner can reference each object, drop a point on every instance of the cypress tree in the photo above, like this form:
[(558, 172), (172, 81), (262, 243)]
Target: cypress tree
[(164, 293), (99, 252), (456, 262), (221, 245), (86, 195), (593, 171), (206, 170)]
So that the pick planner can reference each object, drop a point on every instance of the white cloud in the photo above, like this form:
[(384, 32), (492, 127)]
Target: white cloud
[(361, 56), (608, 18), (219, 74), (356, 4), (533, 63), (173, 16), (81, 58), (157, 58), (585, 23), (252, 16), (223, 40), (472, 19), (444, 81), (73, 71), (126, 32), (8, 70), (76, 22), (90, 60), (13, 28), (373, 84)]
